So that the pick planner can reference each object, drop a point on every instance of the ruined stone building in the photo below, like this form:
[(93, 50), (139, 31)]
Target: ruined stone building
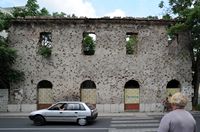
[(112, 77)]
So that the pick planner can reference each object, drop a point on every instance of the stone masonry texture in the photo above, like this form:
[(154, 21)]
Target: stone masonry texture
[(154, 63), (3, 100)]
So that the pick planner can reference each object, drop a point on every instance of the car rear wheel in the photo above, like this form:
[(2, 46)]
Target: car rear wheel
[(39, 120), (82, 122)]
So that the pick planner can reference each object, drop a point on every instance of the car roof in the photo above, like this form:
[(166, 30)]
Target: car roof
[(70, 102)]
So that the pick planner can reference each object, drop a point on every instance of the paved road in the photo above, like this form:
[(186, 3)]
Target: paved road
[(25, 125), (140, 124), (102, 124)]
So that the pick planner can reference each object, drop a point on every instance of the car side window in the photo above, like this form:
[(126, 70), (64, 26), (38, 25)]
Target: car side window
[(56, 106), (65, 106), (75, 106), (82, 107), (69, 107)]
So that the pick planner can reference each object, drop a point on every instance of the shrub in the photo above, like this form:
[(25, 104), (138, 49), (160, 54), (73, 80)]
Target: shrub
[(45, 51)]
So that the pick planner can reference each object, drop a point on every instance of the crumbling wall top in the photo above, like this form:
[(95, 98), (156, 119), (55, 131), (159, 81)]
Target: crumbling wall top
[(84, 20)]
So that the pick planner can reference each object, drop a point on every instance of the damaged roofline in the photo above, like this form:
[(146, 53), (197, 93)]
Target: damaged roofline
[(117, 20)]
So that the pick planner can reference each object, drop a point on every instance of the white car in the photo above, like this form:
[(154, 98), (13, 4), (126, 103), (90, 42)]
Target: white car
[(65, 111)]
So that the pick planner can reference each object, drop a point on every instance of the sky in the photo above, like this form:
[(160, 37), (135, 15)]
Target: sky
[(96, 8)]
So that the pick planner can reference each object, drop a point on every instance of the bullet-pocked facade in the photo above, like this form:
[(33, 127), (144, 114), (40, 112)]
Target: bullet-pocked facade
[(110, 78)]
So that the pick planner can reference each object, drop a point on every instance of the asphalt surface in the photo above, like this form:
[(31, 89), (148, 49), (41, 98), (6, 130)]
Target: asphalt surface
[(121, 122)]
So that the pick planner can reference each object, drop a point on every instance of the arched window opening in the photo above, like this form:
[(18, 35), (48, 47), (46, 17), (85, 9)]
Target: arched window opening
[(88, 84), (132, 84), (173, 84), (88, 92), (131, 96), (44, 84), (45, 95)]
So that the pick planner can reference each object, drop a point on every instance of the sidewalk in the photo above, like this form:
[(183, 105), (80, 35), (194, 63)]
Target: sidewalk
[(100, 114), (135, 114)]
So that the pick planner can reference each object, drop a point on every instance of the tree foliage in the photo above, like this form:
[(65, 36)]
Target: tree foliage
[(31, 9), (4, 21), (187, 14), (152, 17), (44, 12), (7, 59), (7, 54), (62, 14)]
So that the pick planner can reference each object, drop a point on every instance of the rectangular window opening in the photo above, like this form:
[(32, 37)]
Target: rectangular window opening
[(131, 41), (46, 39), (89, 39), (172, 38), (45, 44)]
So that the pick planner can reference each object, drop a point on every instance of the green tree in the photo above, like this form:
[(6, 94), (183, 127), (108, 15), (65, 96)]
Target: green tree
[(7, 59), (18, 12), (31, 9), (4, 21), (187, 14), (44, 12), (62, 14), (152, 17), (7, 54)]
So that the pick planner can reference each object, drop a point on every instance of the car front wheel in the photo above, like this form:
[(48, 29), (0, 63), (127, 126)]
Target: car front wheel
[(39, 120), (82, 122)]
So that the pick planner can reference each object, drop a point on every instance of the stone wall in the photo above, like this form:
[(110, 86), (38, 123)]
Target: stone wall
[(3, 100), (153, 65)]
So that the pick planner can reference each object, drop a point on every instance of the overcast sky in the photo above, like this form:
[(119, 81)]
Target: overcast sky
[(96, 8)]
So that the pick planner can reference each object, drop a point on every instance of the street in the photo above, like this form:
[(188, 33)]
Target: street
[(102, 124)]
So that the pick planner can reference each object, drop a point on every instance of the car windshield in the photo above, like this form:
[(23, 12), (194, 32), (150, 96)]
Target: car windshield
[(90, 106)]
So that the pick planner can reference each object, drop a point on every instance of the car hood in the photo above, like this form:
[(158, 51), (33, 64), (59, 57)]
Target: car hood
[(38, 112)]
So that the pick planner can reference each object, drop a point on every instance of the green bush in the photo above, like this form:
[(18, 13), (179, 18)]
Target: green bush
[(45, 51)]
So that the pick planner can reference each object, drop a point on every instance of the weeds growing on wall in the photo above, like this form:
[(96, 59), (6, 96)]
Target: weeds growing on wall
[(45, 51)]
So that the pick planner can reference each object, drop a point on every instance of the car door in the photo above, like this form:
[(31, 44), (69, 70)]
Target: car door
[(54, 113), (73, 111)]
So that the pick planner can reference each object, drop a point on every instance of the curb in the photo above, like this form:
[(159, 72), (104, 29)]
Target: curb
[(124, 114), (134, 114)]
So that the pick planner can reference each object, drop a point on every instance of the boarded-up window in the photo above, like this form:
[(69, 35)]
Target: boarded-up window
[(88, 92), (131, 95), (45, 96)]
